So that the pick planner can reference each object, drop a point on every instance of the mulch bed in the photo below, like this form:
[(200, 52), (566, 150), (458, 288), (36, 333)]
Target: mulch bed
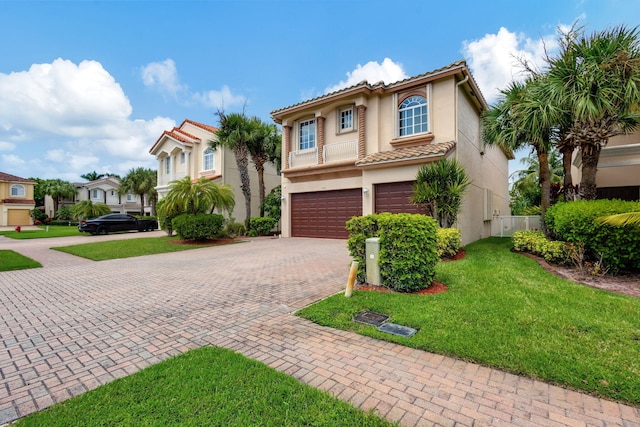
[(434, 287)]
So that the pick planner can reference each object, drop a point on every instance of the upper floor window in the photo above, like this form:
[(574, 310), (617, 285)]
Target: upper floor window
[(345, 119), (207, 161), (182, 156), (17, 190), (113, 193), (307, 134), (412, 116), (96, 193), (130, 197), (167, 165)]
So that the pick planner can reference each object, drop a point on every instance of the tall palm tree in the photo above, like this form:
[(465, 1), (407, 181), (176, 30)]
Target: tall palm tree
[(520, 119), (597, 79), (92, 176), (140, 181), (200, 196), (236, 132), (59, 190), (87, 209), (263, 147)]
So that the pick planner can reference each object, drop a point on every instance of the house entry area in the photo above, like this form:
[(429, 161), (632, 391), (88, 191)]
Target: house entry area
[(324, 213)]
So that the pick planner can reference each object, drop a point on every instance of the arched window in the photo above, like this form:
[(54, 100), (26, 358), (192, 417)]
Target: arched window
[(412, 116), (17, 190), (207, 161)]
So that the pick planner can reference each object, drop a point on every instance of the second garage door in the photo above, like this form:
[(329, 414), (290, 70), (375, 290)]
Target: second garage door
[(324, 213), (395, 197)]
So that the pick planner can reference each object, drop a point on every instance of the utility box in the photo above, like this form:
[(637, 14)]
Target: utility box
[(372, 247)]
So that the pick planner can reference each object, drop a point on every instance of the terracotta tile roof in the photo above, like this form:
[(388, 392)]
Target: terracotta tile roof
[(19, 201), (12, 178), (180, 135), (458, 66), (408, 153), (211, 129)]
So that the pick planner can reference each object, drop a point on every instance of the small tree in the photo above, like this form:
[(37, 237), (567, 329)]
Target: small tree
[(87, 209), (440, 187)]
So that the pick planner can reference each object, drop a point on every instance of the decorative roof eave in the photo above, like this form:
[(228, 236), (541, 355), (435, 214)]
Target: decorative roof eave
[(459, 67), (407, 155), (180, 136), (19, 201), (6, 177)]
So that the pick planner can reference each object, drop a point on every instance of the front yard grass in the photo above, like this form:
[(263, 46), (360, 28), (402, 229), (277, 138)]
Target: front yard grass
[(204, 387), (10, 260), (127, 248), (42, 233), (503, 310)]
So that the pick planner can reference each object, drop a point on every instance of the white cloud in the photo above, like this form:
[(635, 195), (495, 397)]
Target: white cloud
[(495, 58), (372, 72), (219, 99), (163, 76), (65, 119)]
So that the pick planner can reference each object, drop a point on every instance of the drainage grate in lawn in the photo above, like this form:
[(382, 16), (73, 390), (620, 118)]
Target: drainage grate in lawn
[(392, 328), (371, 318)]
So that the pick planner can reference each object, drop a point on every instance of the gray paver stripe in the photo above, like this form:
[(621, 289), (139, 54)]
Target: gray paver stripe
[(67, 328)]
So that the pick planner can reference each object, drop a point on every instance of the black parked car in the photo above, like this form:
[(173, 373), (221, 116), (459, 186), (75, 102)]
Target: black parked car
[(116, 222)]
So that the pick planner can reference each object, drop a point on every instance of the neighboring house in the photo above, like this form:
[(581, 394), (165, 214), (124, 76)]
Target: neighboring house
[(357, 151), (16, 200), (184, 151), (104, 190), (618, 175)]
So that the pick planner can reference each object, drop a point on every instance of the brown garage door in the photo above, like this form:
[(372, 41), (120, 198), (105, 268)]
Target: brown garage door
[(395, 197), (324, 213)]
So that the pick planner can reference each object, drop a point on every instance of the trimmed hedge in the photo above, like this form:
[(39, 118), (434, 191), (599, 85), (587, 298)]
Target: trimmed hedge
[(535, 242), (575, 222), (408, 254), (198, 226), (262, 225)]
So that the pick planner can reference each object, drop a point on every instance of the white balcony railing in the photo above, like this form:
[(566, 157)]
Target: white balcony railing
[(306, 157), (347, 150)]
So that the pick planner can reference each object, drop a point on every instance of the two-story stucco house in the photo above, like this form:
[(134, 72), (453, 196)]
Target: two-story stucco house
[(104, 190), (16, 200), (184, 151), (618, 175), (357, 151)]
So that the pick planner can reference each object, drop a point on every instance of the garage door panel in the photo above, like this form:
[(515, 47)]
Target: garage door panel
[(395, 197), (324, 213)]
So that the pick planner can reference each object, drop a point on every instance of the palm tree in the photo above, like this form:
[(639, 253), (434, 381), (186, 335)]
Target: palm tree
[(440, 187), (519, 119), (140, 181), (263, 147), (596, 79), (59, 190), (236, 132), (92, 176), (87, 209), (200, 196), (620, 220)]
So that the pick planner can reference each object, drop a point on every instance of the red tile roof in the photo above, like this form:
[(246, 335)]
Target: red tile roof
[(180, 135), (19, 201), (417, 152), (12, 178)]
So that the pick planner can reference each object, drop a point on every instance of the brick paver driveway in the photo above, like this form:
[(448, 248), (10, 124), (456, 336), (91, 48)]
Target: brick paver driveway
[(76, 324)]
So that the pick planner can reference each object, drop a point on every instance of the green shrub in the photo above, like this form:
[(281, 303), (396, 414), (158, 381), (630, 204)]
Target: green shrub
[(408, 253), (449, 241), (198, 226), (262, 225), (64, 213), (536, 243), (38, 215), (615, 247), (252, 233), (233, 229)]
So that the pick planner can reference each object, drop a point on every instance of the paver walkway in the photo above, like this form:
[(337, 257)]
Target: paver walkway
[(75, 324)]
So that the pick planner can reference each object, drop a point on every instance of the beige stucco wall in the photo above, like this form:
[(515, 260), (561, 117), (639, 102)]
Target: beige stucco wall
[(11, 211)]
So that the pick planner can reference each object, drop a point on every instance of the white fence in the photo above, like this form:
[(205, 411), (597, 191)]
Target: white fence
[(505, 226)]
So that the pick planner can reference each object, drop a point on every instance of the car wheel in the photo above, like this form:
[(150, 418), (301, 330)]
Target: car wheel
[(102, 230)]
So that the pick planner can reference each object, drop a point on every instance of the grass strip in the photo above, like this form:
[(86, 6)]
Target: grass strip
[(42, 232), (10, 260), (204, 387), (127, 248), (503, 310)]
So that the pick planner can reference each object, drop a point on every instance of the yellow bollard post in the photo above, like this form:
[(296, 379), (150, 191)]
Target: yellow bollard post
[(352, 278)]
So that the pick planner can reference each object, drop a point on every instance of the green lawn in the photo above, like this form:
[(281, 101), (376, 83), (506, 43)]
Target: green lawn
[(54, 231), (112, 249), (10, 260), (204, 387), (503, 310)]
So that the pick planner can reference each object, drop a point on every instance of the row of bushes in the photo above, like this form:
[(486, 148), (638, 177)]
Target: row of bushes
[(410, 247), (211, 226), (578, 223)]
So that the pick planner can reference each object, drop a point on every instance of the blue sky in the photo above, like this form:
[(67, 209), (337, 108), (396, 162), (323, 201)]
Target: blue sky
[(91, 85)]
